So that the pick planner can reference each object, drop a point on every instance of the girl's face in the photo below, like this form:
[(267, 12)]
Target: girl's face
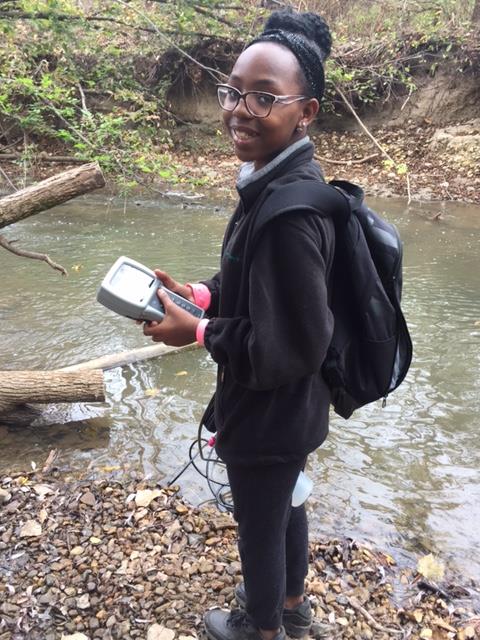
[(270, 67)]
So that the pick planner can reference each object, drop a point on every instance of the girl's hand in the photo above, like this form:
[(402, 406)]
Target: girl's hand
[(174, 286), (177, 328)]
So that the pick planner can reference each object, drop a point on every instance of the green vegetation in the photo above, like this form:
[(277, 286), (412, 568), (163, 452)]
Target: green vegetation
[(90, 78)]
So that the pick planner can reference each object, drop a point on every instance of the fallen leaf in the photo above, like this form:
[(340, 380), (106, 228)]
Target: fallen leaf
[(430, 567), (418, 615), (182, 373), (42, 490), (31, 529), (151, 393), (144, 497)]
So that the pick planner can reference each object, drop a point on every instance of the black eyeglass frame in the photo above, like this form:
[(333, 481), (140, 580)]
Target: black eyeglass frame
[(287, 99)]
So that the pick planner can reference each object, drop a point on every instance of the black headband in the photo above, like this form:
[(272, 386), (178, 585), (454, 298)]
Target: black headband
[(309, 55)]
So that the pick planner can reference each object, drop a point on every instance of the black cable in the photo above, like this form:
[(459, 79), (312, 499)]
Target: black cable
[(220, 490)]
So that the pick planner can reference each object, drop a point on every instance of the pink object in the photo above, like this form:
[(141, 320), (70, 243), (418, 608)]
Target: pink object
[(200, 333), (211, 442), (201, 295)]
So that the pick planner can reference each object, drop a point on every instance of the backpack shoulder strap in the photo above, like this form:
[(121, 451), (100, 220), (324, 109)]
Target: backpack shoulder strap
[(304, 195)]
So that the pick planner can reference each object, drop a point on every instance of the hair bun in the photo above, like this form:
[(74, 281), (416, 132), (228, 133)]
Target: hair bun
[(310, 25)]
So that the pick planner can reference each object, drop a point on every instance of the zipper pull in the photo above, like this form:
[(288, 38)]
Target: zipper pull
[(384, 403)]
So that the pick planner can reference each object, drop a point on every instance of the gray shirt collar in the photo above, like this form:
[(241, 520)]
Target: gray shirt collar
[(247, 173)]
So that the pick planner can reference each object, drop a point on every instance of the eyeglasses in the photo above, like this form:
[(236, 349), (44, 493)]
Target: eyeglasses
[(258, 103)]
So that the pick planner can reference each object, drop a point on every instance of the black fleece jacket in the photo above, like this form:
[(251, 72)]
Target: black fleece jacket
[(271, 324)]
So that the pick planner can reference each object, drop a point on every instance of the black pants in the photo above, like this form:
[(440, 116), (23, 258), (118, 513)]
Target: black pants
[(272, 537)]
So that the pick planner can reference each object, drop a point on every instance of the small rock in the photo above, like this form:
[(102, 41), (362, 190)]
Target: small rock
[(83, 602), (76, 551), (88, 498), (158, 632), (4, 496)]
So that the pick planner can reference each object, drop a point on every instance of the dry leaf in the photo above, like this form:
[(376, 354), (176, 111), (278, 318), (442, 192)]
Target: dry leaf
[(42, 490), (145, 496), (31, 529), (430, 567), (151, 393), (182, 373), (418, 615)]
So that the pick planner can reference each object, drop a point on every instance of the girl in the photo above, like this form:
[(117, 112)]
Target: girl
[(269, 324)]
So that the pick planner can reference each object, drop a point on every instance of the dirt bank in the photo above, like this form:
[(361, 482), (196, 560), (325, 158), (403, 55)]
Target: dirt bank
[(443, 163), (104, 559)]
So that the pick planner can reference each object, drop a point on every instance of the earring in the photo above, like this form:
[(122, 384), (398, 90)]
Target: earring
[(300, 126)]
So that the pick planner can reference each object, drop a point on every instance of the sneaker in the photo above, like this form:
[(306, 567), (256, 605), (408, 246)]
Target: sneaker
[(296, 621), (233, 625)]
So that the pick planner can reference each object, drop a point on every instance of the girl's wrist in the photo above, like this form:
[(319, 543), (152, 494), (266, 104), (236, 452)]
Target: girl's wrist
[(200, 331), (201, 295)]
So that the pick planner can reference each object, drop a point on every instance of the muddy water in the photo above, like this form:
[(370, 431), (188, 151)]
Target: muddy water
[(406, 477)]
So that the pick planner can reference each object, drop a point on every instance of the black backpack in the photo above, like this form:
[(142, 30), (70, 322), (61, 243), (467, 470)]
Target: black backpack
[(371, 349)]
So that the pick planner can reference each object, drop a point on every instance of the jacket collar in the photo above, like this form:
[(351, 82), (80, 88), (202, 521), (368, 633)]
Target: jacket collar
[(251, 183)]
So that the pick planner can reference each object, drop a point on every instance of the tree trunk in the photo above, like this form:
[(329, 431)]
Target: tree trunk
[(50, 192), (476, 13), (19, 387)]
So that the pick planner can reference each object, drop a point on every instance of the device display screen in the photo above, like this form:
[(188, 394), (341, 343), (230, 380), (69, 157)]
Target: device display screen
[(131, 284)]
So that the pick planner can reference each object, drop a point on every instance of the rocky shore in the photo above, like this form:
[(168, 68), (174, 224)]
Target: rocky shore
[(81, 560)]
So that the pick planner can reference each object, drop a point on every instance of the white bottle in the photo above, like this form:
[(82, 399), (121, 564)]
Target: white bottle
[(303, 488)]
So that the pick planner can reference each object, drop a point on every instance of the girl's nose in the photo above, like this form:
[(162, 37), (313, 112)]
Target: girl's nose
[(241, 108)]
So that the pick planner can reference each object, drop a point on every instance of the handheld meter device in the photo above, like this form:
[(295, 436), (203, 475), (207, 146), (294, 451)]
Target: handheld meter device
[(130, 289)]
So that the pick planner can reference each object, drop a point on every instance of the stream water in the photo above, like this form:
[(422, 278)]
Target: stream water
[(405, 477)]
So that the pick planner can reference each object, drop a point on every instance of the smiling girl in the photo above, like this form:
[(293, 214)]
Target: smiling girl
[(268, 324)]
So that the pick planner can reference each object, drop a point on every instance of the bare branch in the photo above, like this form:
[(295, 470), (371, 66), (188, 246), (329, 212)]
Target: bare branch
[(8, 157), (8, 245), (216, 75), (361, 161), (7, 178)]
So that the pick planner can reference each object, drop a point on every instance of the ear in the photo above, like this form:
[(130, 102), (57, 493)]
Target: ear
[(310, 110)]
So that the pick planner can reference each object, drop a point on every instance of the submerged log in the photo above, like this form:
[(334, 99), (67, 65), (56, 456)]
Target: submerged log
[(50, 192), (20, 387), (122, 358)]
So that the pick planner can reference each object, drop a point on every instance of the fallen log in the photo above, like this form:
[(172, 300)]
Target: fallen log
[(20, 387), (50, 193)]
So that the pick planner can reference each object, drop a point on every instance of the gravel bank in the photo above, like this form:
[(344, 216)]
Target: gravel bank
[(104, 559)]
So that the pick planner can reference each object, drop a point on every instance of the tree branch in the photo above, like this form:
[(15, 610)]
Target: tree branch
[(8, 245), (361, 161)]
